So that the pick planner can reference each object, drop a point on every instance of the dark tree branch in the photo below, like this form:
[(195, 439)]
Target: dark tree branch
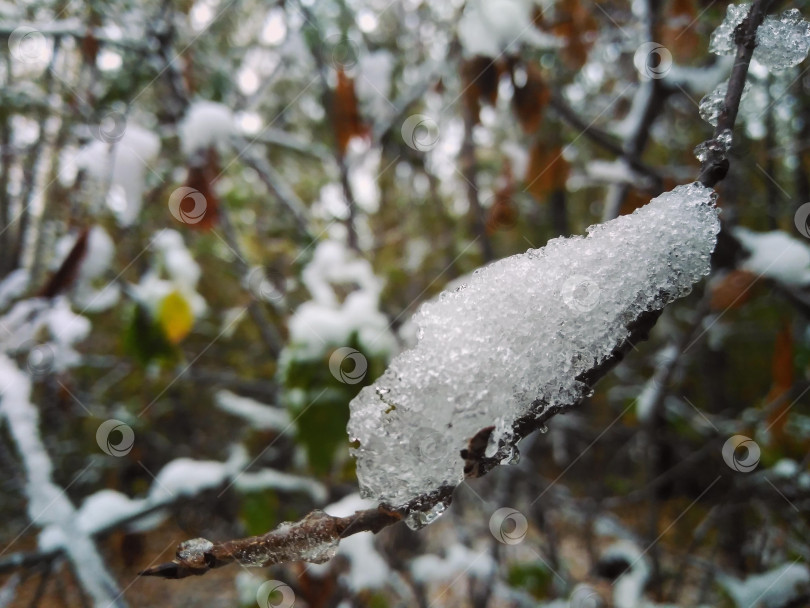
[(715, 167), (601, 138)]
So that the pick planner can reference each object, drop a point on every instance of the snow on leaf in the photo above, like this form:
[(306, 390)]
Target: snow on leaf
[(523, 328), (127, 163)]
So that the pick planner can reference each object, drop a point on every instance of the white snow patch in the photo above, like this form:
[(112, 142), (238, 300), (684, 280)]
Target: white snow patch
[(368, 568), (522, 329), (775, 255), (13, 286), (205, 124), (325, 322), (459, 559), (48, 504), (492, 27), (773, 589), (259, 415), (124, 166)]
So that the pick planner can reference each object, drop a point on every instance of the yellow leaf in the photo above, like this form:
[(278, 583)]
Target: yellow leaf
[(175, 317)]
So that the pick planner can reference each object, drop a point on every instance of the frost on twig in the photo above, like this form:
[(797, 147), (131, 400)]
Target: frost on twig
[(313, 539)]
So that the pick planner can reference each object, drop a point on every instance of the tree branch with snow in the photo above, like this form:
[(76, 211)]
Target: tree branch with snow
[(522, 340)]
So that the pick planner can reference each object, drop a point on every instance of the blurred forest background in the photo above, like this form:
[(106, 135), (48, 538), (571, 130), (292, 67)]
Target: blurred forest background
[(217, 217)]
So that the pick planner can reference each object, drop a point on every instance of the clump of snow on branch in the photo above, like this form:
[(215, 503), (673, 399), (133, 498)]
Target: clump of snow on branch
[(775, 255), (259, 415), (523, 328), (722, 39), (95, 263), (13, 286), (782, 42), (326, 321), (122, 166), (773, 589), (714, 103), (182, 477), (48, 504), (205, 124), (458, 559), (45, 332), (629, 586), (492, 27)]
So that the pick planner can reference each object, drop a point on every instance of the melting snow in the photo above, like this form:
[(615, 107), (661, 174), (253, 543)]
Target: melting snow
[(782, 42), (523, 328)]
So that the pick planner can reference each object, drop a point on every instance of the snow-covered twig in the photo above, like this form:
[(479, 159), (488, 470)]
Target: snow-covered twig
[(48, 505), (316, 537), (715, 166)]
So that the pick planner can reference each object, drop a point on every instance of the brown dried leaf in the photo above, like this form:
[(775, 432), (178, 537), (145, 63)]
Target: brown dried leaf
[(733, 290), (576, 25), (346, 118), (202, 178), (479, 78), (503, 212), (66, 274), (547, 170), (530, 100)]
